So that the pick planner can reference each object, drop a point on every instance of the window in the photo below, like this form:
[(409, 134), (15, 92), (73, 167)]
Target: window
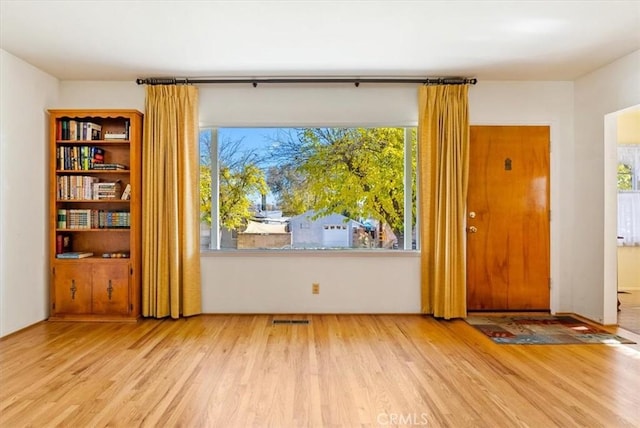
[(308, 188), (629, 167), (625, 177), (629, 194)]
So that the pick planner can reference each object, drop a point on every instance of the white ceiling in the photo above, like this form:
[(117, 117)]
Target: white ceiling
[(491, 40)]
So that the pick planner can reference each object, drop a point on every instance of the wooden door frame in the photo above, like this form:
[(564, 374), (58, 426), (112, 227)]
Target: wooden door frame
[(610, 262), (610, 220), (554, 199)]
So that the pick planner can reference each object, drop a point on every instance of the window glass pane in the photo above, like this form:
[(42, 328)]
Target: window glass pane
[(307, 188), (629, 194), (625, 177), (629, 167)]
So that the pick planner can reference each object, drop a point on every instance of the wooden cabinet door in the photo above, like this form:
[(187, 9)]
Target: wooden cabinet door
[(111, 288), (72, 288)]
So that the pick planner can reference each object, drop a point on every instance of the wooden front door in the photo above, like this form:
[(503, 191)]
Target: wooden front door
[(508, 218)]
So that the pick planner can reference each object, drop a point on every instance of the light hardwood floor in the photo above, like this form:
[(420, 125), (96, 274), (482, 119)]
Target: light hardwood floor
[(629, 314), (338, 371)]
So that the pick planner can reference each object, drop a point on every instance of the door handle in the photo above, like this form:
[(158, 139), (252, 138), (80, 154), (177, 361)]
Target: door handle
[(472, 229), (73, 289)]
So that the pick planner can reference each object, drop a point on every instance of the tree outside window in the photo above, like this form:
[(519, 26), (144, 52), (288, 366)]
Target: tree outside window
[(353, 175), (625, 177)]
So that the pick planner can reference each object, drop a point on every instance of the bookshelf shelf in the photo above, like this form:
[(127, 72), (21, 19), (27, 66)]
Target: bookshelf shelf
[(104, 229), (88, 214), (93, 171), (96, 258), (94, 201), (92, 142)]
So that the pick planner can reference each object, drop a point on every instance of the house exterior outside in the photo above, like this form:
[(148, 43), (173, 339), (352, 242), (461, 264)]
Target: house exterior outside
[(259, 235), (332, 231)]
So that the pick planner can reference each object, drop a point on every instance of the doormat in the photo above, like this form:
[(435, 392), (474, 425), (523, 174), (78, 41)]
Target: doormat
[(542, 330)]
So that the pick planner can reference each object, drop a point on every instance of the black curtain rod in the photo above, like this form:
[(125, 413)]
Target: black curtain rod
[(355, 81)]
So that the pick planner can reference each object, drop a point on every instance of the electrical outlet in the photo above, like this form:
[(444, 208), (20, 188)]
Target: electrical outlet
[(315, 288)]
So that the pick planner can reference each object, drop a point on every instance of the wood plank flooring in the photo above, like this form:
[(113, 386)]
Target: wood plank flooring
[(629, 314), (338, 371)]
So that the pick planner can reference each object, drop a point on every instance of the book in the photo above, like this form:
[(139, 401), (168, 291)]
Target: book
[(126, 194), (115, 136), (65, 129), (73, 255), (97, 156), (75, 187), (79, 218), (73, 130), (121, 255), (66, 243), (106, 190), (63, 243), (109, 166), (85, 157), (62, 218), (91, 131)]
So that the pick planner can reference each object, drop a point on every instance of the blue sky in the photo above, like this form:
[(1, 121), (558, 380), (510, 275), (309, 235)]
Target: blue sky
[(252, 138)]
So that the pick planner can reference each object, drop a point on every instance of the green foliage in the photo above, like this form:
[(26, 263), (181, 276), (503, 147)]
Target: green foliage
[(354, 171), (293, 196), (357, 172), (205, 194), (625, 177), (236, 184), (239, 176)]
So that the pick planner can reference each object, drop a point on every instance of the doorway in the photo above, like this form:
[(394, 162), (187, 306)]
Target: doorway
[(622, 194), (508, 236)]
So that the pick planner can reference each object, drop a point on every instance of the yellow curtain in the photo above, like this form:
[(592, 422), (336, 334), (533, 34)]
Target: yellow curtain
[(443, 141), (170, 210)]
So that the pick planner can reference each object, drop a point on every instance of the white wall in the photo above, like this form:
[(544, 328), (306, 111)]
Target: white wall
[(293, 105), (89, 94), (26, 92), (600, 93), (281, 283)]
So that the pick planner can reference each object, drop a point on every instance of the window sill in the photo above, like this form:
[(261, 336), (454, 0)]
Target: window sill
[(310, 253)]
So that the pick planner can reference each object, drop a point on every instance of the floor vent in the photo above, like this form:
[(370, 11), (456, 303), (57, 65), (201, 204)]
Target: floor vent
[(291, 321)]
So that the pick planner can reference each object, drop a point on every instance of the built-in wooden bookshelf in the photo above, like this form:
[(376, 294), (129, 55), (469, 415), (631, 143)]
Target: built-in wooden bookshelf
[(95, 214)]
